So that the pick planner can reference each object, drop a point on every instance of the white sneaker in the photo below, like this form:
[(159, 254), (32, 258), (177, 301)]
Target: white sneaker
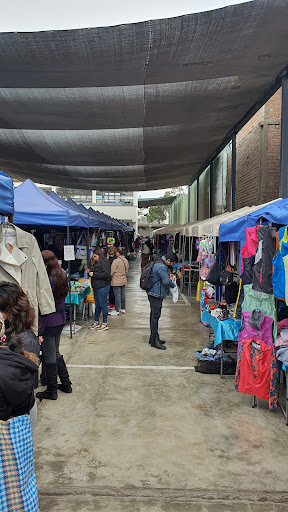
[(113, 312), (95, 325), (122, 310), (103, 327)]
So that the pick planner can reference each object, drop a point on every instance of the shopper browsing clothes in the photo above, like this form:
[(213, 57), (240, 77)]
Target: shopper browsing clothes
[(145, 254), (119, 271), (156, 294), (50, 327), (18, 369), (100, 282)]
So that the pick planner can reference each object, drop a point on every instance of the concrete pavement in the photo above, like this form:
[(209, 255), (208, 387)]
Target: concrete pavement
[(142, 431)]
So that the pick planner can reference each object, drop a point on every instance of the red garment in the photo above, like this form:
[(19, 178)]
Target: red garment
[(246, 380), (250, 247)]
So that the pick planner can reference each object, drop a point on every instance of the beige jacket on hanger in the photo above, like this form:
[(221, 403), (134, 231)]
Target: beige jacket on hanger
[(25, 266)]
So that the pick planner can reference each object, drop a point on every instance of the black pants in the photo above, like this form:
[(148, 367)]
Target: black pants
[(155, 313), (50, 344)]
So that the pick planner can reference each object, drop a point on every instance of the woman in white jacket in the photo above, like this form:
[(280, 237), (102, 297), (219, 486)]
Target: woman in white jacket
[(119, 271)]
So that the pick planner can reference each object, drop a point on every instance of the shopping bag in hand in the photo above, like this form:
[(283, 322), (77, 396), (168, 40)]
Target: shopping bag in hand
[(174, 291)]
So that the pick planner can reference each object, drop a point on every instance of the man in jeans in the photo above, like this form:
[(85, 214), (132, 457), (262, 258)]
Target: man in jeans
[(156, 294)]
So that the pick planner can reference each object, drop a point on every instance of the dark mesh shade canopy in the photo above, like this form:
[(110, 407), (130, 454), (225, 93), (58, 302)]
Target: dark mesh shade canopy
[(140, 106)]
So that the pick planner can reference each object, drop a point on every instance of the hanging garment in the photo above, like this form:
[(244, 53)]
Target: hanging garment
[(285, 263), (282, 338), (282, 355), (261, 301), (278, 277), (250, 247), (256, 371), (256, 325), (25, 266), (262, 270), (247, 275)]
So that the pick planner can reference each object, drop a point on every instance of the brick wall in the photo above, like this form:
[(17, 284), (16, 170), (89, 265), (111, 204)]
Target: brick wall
[(258, 157)]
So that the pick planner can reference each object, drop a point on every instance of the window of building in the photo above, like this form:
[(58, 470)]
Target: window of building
[(114, 197), (78, 195)]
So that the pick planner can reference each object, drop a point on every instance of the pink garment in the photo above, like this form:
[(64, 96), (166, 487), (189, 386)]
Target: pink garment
[(250, 247), (282, 324), (265, 332), (280, 342)]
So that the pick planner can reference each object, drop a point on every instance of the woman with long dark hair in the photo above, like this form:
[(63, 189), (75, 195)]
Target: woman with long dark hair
[(18, 369), (19, 318), (50, 327)]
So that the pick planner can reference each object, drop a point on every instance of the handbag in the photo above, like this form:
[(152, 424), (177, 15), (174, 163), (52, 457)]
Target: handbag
[(226, 277), (213, 276), (81, 249)]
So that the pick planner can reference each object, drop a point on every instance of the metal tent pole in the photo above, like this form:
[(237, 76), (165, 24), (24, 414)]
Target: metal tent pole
[(69, 285)]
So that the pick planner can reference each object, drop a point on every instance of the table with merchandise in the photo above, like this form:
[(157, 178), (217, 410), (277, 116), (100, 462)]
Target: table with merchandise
[(78, 292), (226, 329)]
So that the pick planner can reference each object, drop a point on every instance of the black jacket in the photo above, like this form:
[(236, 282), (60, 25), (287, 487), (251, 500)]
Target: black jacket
[(101, 273), (17, 375)]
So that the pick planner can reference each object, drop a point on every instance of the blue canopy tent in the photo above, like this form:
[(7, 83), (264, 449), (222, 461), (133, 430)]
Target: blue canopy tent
[(63, 203), (276, 212), (6, 194), (100, 223), (92, 220), (35, 208), (105, 219)]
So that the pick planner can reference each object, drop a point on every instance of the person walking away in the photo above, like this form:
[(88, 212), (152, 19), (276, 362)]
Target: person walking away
[(145, 258), (18, 369), (112, 256), (119, 271), (50, 328), (100, 282), (137, 246), (156, 294)]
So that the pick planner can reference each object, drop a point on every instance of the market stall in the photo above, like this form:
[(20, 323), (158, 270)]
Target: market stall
[(263, 302)]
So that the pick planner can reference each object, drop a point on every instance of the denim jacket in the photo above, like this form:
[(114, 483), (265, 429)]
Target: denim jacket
[(161, 279)]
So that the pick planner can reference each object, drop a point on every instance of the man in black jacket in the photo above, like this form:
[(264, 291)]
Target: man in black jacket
[(100, 282)]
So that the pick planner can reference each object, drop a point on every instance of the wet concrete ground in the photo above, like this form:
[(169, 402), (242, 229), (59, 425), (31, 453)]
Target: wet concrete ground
[(142, 431)]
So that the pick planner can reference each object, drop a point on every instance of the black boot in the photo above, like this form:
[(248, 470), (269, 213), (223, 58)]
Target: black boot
[(155, 342), (43, 380), (65, 385), (161, 341), (51, 375)]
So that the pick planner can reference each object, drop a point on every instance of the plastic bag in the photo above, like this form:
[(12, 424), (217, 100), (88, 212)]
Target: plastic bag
[(174, 291)]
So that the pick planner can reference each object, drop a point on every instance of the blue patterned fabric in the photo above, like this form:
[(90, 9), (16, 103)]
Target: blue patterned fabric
[(223, 329), (18, 489)]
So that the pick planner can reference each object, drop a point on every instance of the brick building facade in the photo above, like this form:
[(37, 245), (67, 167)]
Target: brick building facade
[(258, 157)]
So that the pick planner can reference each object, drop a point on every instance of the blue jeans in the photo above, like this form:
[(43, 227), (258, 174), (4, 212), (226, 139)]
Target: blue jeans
[(119, 292), (100, 299)]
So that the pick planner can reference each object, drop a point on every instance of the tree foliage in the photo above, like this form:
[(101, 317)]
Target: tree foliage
[(159, 213)]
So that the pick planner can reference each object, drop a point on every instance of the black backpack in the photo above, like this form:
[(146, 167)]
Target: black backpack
[(146, 282)]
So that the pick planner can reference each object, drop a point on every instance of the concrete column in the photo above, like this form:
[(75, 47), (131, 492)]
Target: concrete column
[(93, 196)]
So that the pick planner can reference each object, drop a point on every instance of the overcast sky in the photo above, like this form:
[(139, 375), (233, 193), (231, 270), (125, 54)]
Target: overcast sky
[(35, 15)]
